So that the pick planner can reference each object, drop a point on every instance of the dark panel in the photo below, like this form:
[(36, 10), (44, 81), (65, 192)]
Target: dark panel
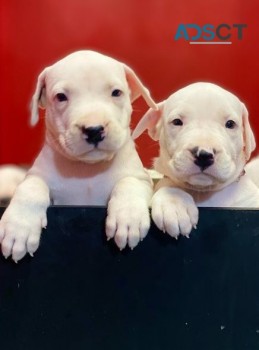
[(81, 292)]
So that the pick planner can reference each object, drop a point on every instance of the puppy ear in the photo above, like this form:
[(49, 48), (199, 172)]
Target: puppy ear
[(137, 88), (248, 135), (39, 98), (150, 122)]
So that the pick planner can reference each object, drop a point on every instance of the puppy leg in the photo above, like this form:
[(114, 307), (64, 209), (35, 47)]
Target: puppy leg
[(174, 211), (10, 177), (23, 220), (128, 218)]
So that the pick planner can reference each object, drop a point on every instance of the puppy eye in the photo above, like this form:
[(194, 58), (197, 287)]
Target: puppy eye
[(61, 97), (230, 124), (177, 122), (116, 93)]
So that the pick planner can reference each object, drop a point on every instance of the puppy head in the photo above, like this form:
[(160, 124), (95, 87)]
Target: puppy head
[(87, 97), (204, 135)]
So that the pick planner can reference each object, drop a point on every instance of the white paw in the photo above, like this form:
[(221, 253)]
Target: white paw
[(174, 211), (20, 230), (127, 222)]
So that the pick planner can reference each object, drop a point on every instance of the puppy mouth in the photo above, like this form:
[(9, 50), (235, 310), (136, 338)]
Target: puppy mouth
[(92, 153), (81, 150), (203, 168), (202, 181), (95, 143), (95, 154)]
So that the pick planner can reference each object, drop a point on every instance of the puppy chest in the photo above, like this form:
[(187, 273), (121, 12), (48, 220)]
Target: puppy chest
[(79, 192)]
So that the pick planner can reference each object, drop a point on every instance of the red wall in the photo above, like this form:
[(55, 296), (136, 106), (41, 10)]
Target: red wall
[(34, 34)]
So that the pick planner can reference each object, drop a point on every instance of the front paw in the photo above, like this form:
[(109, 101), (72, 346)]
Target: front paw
[(128, 223), (20, 231), (174, 211)]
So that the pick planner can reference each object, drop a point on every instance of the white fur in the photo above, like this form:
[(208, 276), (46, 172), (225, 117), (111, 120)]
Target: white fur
[(252, 170), (190, 123), (10, 177), (70, 169)]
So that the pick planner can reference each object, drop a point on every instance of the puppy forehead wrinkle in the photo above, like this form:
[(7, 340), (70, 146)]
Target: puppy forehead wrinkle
[(202, 104), (180, 108), (90, 85), (100, 72)]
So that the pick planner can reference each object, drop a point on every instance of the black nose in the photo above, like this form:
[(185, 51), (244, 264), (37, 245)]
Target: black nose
[(94, 134), (202, 158)]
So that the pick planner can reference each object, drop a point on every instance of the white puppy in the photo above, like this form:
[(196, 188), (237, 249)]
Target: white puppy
[(252, 170), (205, 141), (88, 157)]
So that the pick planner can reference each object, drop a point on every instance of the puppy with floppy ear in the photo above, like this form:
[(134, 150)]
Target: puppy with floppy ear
[(88, 158), (205, 141)]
